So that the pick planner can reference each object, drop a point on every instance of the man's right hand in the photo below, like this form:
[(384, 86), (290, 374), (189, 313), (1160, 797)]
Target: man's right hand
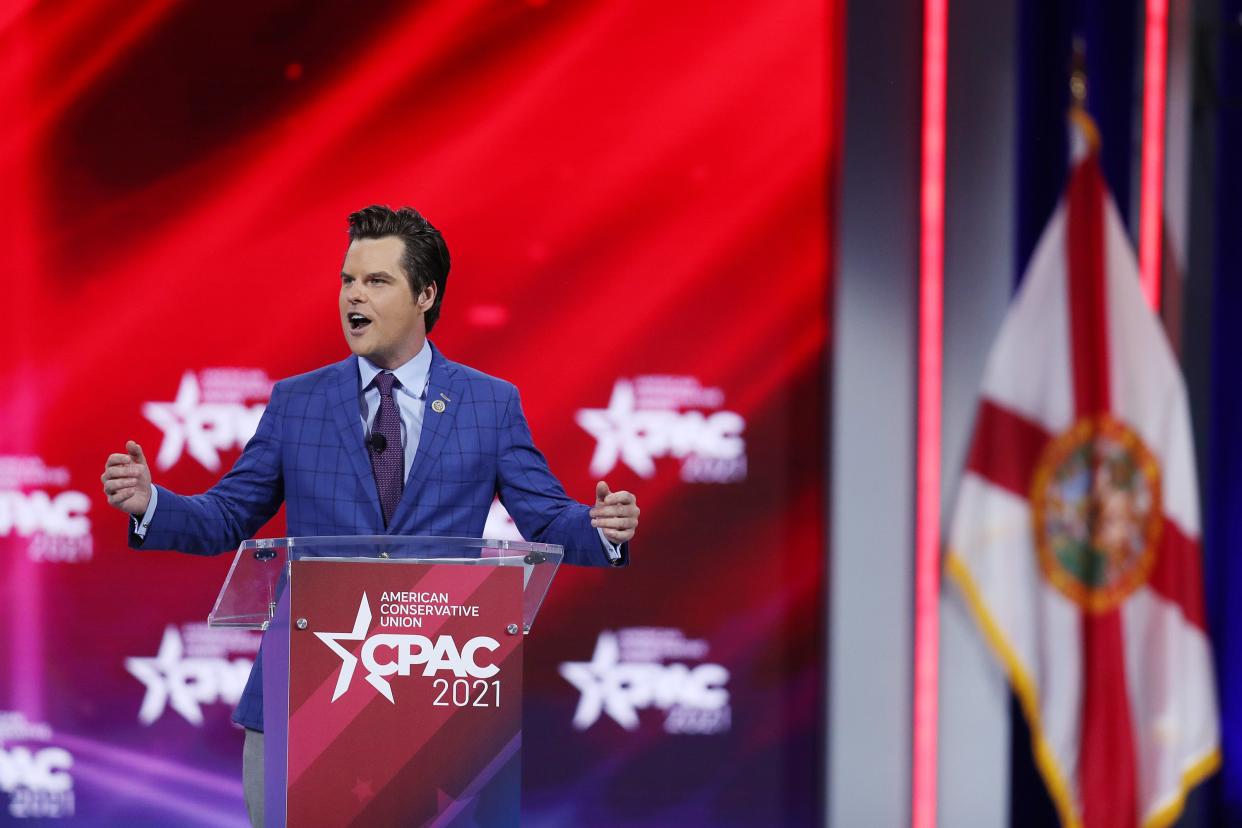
[(127, 480)]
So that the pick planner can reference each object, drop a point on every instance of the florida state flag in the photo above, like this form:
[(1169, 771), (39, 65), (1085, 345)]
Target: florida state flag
[(1075, 536)]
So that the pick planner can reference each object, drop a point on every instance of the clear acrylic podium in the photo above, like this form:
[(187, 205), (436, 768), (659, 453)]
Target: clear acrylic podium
[(392, 674)]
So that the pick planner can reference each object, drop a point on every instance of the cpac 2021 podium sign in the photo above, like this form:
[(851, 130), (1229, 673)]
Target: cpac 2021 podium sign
[(392, 674)]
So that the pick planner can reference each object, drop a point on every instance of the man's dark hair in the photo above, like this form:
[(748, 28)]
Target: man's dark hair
[(426, 259)]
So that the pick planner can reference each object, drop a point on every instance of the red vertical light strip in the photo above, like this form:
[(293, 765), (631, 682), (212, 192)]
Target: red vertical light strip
[(1151, 198), (927, 499)]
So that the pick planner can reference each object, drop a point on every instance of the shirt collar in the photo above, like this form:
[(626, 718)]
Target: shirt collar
[(412, 375)]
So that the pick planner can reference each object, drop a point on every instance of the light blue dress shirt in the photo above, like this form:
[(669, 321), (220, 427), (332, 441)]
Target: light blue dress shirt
[(410, 395)]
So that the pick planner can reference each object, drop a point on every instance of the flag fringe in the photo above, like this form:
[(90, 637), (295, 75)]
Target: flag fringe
[(1024, 687), (1196, 772)]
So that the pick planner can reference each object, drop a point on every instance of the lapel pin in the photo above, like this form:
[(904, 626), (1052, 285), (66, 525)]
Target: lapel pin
[(437, 406), (445, 396)]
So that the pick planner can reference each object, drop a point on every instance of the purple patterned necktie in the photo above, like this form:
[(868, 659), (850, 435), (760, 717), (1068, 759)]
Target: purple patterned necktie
[(388, 463)]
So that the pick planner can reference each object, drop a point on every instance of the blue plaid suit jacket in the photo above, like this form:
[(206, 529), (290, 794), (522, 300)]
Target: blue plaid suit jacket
[(308, 451)]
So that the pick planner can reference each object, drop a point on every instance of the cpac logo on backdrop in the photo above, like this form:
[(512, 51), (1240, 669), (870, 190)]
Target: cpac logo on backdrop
[(632, 670), (386, 654), (38, 507), (35, 776), (192, 669), (210, 414), (651, 417)]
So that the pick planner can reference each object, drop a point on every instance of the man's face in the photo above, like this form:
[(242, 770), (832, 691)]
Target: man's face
[(382, 319)]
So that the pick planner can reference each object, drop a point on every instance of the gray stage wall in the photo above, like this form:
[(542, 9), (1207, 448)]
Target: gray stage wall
[(871, 430)]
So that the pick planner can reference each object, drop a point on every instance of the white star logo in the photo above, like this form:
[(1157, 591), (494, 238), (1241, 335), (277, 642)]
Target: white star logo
[(602, 682), (201, 429), (623, 688), (184, 684), (618, 431), (362, 623)]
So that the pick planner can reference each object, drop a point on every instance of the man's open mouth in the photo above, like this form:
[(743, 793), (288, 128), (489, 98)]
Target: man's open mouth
[(357, 321)]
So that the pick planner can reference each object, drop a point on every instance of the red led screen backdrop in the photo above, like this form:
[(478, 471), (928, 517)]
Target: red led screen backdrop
[(637, 200)]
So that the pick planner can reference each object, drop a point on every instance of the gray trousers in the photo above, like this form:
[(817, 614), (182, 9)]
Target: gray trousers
[(252, 776)]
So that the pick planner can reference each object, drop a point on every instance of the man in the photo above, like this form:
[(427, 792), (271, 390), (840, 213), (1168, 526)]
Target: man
[(395, 439)]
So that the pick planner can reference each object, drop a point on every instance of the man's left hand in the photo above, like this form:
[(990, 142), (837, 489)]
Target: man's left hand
[(615, 512)]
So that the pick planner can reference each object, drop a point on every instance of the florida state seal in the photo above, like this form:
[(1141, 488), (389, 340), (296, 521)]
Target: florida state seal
[(1096, 508)]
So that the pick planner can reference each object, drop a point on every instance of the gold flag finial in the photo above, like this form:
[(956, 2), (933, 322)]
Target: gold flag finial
[(1078, 97), (1078, 74)]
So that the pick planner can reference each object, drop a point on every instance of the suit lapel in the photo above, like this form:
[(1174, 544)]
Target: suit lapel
[(343, 400), (446, 385)]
